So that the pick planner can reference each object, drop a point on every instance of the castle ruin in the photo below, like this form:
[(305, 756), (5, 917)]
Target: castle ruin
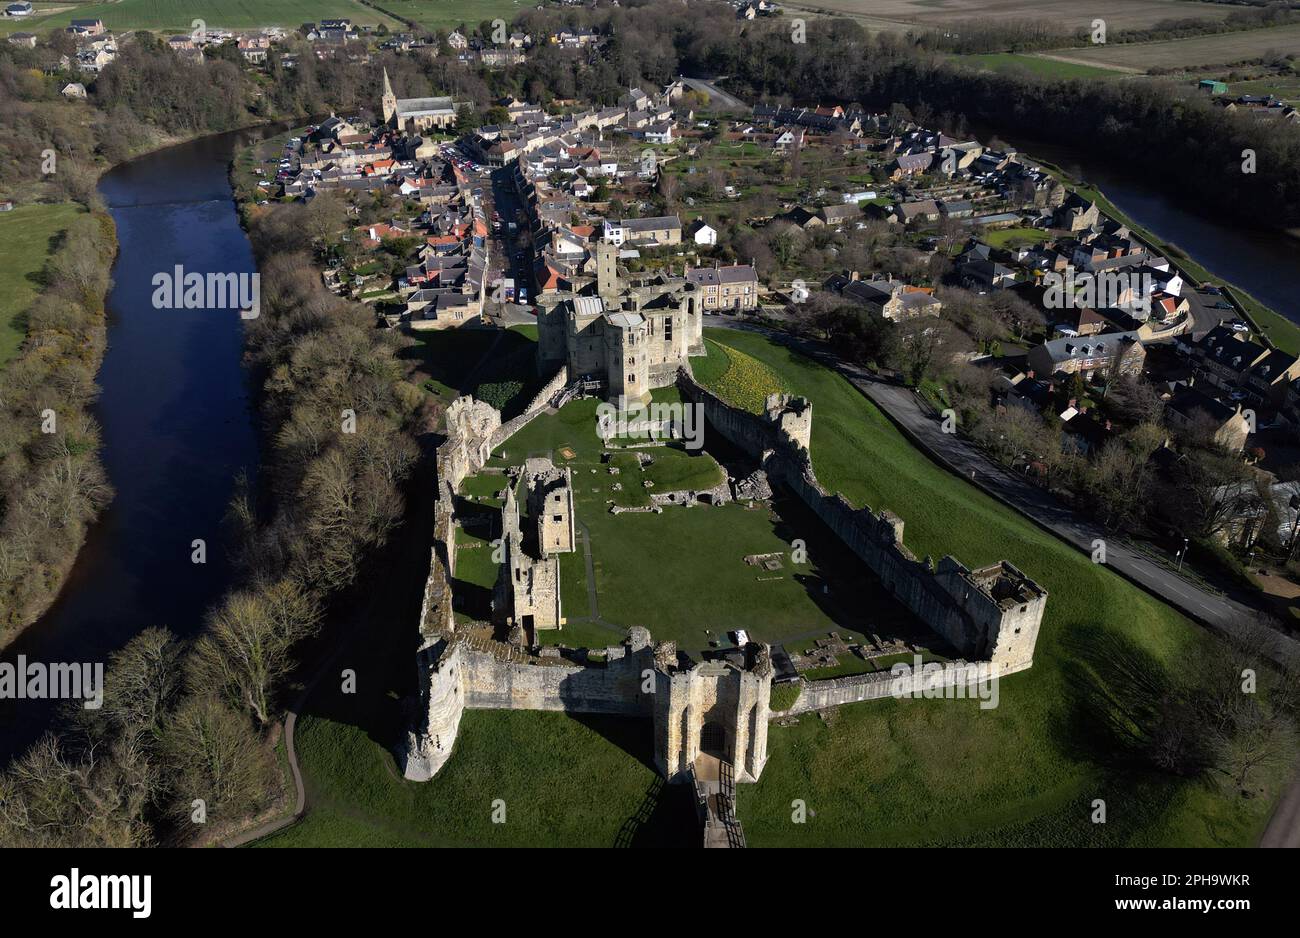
[(716, 709)]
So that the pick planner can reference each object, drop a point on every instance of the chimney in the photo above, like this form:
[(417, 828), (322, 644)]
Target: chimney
[(854, 276)]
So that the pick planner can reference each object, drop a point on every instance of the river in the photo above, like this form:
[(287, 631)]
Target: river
[(178, 425)]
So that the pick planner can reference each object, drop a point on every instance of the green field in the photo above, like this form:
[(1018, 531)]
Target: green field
[(1014, 237), (26, 234), (576, 782), (1038, 66), (439, 14), (180, 14)]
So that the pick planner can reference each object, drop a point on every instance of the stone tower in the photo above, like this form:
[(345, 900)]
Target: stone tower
[(607, 284), (719, 708), (389, 101)]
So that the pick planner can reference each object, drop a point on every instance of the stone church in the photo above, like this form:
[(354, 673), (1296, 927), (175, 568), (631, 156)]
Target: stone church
[(416, 115)]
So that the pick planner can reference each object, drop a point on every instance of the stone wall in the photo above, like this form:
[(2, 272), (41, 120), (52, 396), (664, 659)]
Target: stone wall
[(878, 685), (990, 614), (541, 400), (636, 679)]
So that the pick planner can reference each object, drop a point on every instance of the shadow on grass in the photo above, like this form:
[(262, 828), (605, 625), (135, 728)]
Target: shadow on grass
[(665, 818), (1121, 695)]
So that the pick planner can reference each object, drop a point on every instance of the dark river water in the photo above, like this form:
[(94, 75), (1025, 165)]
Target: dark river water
[(177, 424), (1263, 262)]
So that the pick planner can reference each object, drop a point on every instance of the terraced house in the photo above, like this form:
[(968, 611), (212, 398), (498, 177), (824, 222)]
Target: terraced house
[(734, 287)]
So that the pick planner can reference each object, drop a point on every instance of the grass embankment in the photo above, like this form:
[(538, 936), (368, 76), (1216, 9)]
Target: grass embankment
[(28, 235), (1039, 66), (911, 772)]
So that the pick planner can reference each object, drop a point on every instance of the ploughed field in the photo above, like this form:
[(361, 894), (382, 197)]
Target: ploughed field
[(1118, 14), (1220, 49), (179, 15)]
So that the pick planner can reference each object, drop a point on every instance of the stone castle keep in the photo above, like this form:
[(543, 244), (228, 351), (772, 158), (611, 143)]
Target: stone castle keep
[(721, 706), (632, 335)]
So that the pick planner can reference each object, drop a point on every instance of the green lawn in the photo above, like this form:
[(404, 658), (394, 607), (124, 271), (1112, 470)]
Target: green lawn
[(1014, 237), (180, 14), (441, 14), (1038, 66), (910, 772), (575, 782), (26, 235)]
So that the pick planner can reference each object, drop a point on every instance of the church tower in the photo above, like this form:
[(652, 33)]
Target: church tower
[(389, 102)]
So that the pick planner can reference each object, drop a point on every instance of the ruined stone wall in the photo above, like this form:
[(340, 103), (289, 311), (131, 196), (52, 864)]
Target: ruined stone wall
[(878, 685), (537, 405), (497, 682), (947, 598)]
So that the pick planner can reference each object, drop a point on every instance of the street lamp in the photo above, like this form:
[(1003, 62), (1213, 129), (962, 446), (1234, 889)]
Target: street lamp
[(1181, 554)]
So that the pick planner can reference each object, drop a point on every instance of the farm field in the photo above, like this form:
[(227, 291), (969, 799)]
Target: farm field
[(25, 236), (1118, 14), (180, 14), (1221, 49), (1039, 66), (440, 14)]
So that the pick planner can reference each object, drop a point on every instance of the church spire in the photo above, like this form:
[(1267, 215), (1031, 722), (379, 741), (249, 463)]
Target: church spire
[(389, 100)]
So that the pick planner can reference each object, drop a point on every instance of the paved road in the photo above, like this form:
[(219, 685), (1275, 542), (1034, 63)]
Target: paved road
[(716, 94), (963, 458), (1284, 826)]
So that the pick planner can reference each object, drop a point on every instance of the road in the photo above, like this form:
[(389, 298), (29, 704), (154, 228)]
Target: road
[(716, 94), (961, 457)]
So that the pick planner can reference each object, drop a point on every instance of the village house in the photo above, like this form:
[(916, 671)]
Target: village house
[(1189, 409), (1108, 355), (649, 232), (87, 27), (732, 288), (885, 297)]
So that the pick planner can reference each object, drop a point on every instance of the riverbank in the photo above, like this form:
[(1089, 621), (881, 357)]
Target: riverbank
[(57, 489)]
